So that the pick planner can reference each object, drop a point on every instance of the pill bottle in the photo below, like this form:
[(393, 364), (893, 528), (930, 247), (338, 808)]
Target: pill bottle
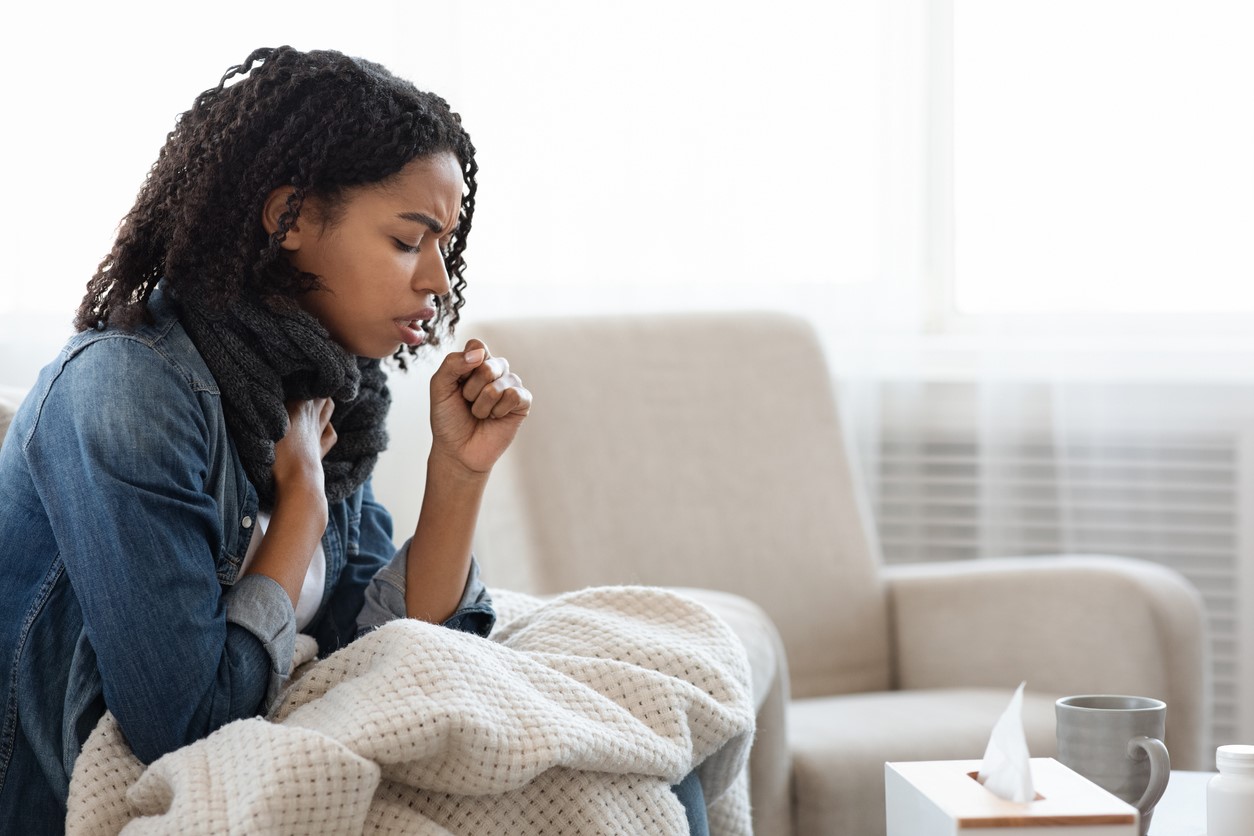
[(1230, 794)]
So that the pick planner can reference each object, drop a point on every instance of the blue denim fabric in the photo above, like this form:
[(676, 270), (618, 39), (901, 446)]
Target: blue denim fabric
[(692, 797), (124, 516)]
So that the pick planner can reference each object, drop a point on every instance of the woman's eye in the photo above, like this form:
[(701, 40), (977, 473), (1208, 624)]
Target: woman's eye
[(403, 247)]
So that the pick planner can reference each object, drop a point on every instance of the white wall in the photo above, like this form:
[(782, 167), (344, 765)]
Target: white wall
[(637, 157), (633, 156)]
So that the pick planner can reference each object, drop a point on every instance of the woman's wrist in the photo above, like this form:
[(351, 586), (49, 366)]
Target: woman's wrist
[(306, 494), (445, 469), (300, 484), (304, 507), (439, 553)]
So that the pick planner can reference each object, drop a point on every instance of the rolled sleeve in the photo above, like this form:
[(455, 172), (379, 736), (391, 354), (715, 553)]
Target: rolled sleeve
[(385, 599), (261, 606)]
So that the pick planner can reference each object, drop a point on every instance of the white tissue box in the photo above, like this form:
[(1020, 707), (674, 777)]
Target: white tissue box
[(943, 798)]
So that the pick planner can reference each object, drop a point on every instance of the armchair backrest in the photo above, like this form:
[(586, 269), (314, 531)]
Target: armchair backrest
[(695, 450)]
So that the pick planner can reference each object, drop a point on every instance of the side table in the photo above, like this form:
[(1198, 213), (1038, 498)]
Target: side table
[(1182, 810)]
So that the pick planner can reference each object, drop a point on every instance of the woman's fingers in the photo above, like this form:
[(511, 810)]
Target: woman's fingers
[(309, 437), (328, 439), (485, 382), (312, 419), (457, 367), (492, 369), (501, 397)]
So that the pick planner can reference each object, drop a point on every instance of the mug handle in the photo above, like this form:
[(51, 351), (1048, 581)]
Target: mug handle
[(1160, 769)]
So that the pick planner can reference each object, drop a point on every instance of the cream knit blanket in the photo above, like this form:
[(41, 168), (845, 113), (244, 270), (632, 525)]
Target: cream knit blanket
[(575, 718)]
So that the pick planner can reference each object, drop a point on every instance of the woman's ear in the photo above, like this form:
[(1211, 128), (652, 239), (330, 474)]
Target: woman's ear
[(275, 206)]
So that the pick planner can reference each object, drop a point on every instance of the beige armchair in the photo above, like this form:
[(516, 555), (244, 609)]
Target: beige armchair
[(705, 451)]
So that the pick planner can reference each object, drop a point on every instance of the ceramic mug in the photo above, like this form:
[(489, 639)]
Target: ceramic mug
[(1117, 743)]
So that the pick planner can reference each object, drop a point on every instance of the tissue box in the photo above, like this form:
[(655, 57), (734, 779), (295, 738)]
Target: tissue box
[(943, 798)]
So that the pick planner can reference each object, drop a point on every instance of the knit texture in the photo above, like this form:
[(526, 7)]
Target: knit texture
[(575, 718), (264, 354)]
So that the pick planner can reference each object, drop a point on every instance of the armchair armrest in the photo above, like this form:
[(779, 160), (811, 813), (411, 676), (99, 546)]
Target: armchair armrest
[(1067, 625), (770, 765)]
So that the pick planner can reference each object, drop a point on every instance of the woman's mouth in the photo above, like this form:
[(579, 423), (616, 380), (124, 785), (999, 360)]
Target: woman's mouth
[(411, 331), (410, 325)]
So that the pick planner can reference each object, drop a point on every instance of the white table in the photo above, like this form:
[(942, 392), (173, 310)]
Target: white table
[(1182, 810)]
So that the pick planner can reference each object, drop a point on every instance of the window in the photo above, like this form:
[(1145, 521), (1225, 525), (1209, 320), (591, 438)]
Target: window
[(1102, 156)]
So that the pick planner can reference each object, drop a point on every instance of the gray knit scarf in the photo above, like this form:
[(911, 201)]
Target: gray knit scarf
[(263, 355)]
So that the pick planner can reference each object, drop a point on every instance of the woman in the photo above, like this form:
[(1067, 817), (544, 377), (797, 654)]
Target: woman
[(188, 484)]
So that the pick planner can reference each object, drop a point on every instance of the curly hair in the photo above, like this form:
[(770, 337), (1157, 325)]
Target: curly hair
[(320, 122)]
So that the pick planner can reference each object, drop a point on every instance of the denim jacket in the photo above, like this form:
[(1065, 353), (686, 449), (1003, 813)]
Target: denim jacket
[(124, 516)]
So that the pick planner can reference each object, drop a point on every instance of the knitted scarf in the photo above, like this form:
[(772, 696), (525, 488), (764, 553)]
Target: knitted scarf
[(263, 355)]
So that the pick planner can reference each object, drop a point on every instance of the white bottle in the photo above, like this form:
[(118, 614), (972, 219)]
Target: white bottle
[(1230, 794)]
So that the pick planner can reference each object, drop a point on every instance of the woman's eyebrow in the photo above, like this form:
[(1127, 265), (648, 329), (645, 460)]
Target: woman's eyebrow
[(426, 220)]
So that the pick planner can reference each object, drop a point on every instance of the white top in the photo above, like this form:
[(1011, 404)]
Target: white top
[(315, 579)]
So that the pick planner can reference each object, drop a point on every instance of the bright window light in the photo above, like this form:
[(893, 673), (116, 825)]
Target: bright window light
[(680, 147), (1103, 156)]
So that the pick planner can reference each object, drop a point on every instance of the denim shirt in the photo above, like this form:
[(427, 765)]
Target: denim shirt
[(124, 516)]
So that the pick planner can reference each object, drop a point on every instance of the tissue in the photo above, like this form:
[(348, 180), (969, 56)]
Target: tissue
[(1006, 771)]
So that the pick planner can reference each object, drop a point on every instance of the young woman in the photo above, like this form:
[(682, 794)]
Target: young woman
[(188, 484)]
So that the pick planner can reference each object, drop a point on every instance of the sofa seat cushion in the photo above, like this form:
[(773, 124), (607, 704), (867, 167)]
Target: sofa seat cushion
[(840, 744)]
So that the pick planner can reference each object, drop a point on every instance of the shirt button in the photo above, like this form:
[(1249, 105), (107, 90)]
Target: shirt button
[(247, 522)]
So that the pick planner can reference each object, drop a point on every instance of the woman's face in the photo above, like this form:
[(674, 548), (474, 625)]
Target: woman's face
[(380, 259)]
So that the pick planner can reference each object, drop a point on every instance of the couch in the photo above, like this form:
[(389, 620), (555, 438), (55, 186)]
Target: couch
[(705, 451)]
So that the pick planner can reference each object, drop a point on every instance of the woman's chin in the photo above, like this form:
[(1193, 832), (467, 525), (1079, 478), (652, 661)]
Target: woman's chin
[(381, 355)]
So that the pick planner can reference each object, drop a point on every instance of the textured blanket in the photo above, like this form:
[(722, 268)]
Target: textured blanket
[(574, 718)]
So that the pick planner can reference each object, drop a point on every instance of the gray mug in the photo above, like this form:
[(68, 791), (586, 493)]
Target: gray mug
[(1117, 743)]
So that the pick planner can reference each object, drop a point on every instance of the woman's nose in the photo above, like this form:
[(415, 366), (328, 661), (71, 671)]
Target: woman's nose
[(432, 274)]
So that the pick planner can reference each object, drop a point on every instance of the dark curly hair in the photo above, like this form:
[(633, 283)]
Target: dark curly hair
[(319, 121)]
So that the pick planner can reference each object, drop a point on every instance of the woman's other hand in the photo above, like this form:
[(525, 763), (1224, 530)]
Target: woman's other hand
[(299, 516), (298, 454), (477, 405)]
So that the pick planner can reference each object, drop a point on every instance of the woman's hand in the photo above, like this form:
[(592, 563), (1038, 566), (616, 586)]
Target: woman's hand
[(299, 516), (477, 405), (298, 454)]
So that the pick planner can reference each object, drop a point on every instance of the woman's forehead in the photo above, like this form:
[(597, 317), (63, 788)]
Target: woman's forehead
[(434, 181)]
